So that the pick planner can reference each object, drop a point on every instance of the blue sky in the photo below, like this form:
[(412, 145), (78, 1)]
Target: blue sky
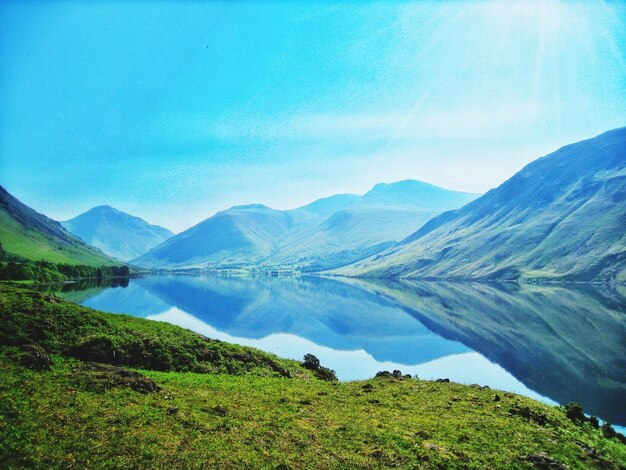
[(172, 111)]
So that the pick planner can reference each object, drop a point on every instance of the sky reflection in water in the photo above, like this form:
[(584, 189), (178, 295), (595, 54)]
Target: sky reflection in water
[(551, 343)]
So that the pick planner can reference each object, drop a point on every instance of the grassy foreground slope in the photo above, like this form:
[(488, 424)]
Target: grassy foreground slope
[(64, 328), (28, 234), (245, 408)]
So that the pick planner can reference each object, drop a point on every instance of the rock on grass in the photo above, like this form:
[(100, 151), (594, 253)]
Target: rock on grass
[(101, 377), (34, 357)]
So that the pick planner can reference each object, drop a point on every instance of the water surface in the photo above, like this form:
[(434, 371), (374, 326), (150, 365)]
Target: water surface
[(553, 343)]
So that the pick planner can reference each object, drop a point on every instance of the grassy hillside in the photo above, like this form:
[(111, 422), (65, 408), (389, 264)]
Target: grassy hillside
[(240, 408), (33, 236), (561, 217), (69, 329)]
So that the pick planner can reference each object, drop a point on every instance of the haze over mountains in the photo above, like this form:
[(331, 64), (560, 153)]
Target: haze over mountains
[(28, 234), (116, 233), (327, 233), (561, 217)]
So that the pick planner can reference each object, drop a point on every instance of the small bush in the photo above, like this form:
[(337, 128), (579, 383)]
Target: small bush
[(574, 412), (608, 431), (325, 373), (98, 348), (34, 357), (311, 362)]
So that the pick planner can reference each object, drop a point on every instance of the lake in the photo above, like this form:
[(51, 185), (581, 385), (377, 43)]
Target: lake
[(554, 343)]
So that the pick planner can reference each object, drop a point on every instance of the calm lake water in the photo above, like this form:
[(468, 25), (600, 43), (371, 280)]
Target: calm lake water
[(553, 343)]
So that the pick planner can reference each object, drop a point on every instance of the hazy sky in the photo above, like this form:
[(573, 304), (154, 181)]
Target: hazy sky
[(172, 111)]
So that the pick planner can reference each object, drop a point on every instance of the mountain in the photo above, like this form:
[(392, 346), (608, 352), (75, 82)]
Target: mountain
[(26, 233), (377, 220), (327, 233), (562, 217), (327, 206), (231, 238), (414, 195), (116, 233)]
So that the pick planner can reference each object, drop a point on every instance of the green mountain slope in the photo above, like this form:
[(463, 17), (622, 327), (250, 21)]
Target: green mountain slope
[(26, 233), (116, 233), (561, 217)]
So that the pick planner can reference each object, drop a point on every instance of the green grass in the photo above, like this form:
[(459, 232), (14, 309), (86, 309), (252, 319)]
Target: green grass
[(255, 418), (35, 246), (66, 328), (22, 282)]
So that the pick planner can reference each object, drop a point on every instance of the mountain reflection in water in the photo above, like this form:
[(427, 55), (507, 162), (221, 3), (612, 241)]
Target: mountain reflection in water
[(554, 343)]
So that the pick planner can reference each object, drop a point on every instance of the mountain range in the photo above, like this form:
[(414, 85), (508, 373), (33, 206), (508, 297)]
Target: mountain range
[(28, 234), (116, 233), (327, 233), (562, 217)]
